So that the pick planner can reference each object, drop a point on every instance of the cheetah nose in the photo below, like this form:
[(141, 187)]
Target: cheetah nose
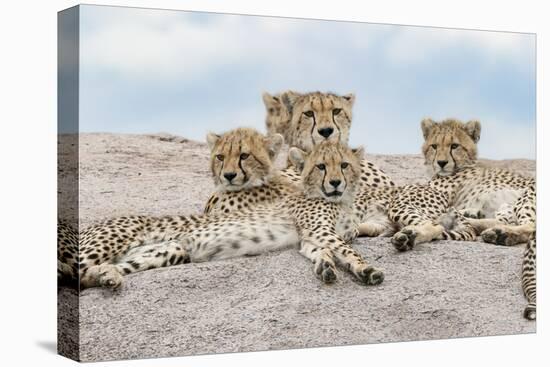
[(442, 163), (326, 132), (335, 183), (230, 176)]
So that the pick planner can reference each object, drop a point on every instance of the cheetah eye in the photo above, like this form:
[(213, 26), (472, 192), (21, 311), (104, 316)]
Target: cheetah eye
[(454, 146), (308, 113), (336, 111), (434, 146), (321, 166), (219, 157), (344, 165), (244, 156)]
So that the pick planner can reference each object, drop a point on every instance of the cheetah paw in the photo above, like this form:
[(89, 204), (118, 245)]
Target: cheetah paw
[(350, 235), (530, 312), (326, 271), (371, 276), (110, 277), (405, 239), (501, 237), (472, 213)]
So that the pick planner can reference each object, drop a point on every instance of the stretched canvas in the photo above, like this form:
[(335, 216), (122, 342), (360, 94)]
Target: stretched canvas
[(235, 183)]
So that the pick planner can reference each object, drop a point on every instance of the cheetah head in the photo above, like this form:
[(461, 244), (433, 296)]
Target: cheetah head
[(317, 117), (242, 158), (279, 111), (450, 145), (330, 171)]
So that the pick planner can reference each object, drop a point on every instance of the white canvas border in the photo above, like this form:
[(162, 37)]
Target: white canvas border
[(28, 185)]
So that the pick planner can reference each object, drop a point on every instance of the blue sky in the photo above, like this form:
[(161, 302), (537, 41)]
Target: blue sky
[(147, 71)]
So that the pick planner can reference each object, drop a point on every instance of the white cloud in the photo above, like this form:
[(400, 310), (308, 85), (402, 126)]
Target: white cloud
[(414, 45), (161, 47), (171, 45), (153, 44), (140, 43)]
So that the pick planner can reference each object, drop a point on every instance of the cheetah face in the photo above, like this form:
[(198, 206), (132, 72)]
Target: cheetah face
[(318, 117), (331, 171), (242, 158), (450, 145)]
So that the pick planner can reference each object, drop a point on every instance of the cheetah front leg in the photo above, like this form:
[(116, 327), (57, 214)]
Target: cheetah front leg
[(352, 260), (330, 244), (414, 234), (521, 232), (481, 225), (139, 258), (323, 260), (508, 235)]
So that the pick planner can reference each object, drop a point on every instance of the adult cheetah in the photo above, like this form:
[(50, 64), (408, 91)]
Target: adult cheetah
[(316, 220)]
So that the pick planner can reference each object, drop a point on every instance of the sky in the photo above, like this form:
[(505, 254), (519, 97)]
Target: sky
[(188, 73)]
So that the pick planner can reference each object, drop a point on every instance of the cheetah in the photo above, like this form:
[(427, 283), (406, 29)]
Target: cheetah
[(315, 220), (499, 204), (307, 119), (492, 199), (377, 191), (241, 162)]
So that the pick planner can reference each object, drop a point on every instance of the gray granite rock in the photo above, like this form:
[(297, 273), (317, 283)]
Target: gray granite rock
[(443, 289)]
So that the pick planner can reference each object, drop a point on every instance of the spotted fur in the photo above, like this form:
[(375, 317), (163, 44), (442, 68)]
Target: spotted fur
[(413, 214), (279, 112), (529, 278), (67, 253), (316, 220)]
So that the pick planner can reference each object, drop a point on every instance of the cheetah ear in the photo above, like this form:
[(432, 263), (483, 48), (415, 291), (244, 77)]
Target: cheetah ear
[(289, 99), (212, 139), (350, 97), (297, 157), (274, 143), (473, 128), (427, 125), (359, 153), (270, 101)]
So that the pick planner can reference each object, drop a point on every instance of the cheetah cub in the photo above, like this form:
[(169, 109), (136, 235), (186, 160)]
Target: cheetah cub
[(501, 204), (241, 162), (315, 220)]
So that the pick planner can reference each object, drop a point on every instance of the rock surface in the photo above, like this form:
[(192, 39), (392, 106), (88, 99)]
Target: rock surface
[(443, 289)]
